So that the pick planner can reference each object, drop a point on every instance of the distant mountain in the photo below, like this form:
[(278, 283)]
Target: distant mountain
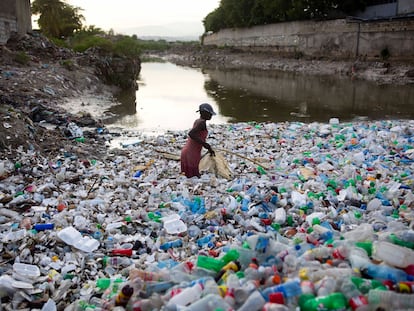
[(186, 31)]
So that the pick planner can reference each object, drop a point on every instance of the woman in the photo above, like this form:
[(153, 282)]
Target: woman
[(191, 153)]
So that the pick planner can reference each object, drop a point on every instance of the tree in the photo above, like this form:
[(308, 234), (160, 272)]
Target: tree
[(57, 19), (246, 13)]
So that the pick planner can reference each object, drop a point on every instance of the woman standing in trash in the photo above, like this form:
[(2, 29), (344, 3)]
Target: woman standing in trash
[(191, 153)]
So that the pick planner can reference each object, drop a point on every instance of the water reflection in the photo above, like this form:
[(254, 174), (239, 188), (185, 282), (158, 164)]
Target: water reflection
[(280, 96), (168, 96)]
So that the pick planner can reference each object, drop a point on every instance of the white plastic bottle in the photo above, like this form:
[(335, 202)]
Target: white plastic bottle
[(185, 297)]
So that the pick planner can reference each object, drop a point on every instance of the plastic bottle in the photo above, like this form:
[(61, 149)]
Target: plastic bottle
[(43, 227), (124, 295), (404, 287), (232, 265), (152, 287), (229, 297), (325, 286), (50, 305), (156, 276), (279, 216), (243, 292), (359, 303), (117, 261), (254, 302), (210, 302), (334, 301), (171, 244), (122, 252), (389, 300), (104, 283), (405, 239), (210, 263), (365, 285), (230, 255), (349, 289), (288, 289), (384, 273), (274, 307), (205, 240), (185, 297), (392, 254), (182, 272), (194, 231)]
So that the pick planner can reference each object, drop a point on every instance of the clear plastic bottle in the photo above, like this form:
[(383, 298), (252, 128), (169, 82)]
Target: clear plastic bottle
[(117, 261), (210, 302), (325, 286), (254, 302), (274, 307), (392, 254), (389, 300)]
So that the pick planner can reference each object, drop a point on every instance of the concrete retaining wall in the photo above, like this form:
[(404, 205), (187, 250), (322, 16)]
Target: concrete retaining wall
[(336, 38), (7, 26), (405, 7), (14, 17)]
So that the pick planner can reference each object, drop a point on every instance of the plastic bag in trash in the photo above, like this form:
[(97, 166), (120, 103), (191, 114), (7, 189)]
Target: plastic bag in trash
[(74, 130), (216, 165)]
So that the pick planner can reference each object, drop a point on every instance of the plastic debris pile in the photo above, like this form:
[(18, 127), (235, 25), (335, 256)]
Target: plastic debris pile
[(325, 223)]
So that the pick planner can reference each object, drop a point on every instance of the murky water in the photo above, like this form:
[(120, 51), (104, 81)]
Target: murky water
[(169, 95)]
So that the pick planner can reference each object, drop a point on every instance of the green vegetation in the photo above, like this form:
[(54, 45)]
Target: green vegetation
[(68, 64), (57, 19), (22, 58), (62, 24), (385, 53), (247, 13)]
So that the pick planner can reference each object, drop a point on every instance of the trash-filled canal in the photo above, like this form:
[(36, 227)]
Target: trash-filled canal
[(311, 214)]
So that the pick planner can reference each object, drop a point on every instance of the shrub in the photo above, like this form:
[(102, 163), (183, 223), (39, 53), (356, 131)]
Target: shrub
[(83, 43), (385, 53), (22, 58)]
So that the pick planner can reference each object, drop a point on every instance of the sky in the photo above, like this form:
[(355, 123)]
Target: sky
[(126, 16)]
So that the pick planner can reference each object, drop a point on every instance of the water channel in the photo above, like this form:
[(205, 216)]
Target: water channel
[(169, 95)]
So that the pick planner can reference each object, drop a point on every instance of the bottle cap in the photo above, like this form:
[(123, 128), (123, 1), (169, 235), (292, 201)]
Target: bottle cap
[(277, 298)]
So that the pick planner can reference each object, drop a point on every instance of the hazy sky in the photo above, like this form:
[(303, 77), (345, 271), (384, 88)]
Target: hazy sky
[(124, 14)]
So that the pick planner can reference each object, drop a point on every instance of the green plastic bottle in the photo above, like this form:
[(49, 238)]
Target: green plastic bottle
[(396, 240), (365, 285), (335, 302), (230, 255), (210, 263), (366, 245)]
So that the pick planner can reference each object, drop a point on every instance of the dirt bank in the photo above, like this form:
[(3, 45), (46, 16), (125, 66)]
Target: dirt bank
[(36, 79), (381, 72)]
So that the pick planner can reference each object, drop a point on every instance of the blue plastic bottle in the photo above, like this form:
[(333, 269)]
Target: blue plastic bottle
[(43, 227), (171, 244), (205, 240), (288, 289), (383, 273)]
